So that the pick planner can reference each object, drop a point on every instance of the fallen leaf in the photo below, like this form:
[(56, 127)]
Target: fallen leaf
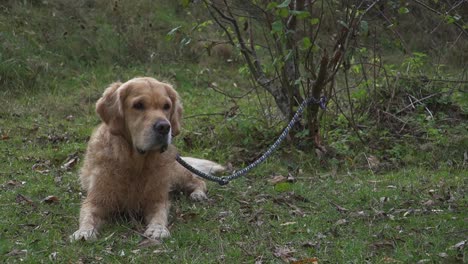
[(443, 255), (384, 199), (306, 261), (389, 260), (288, 223), (23, 199), (51, 199), (290, 178), (340, 209), (460, 245), (70, 118), (71, 161), (5, 137), (341, 222), (311, 244), (14, 183), (423, 261), (373, 162), (53, 256), (17, 252), (284, 253), (277, 179), (428, 203), (358, 214), (160, 251)]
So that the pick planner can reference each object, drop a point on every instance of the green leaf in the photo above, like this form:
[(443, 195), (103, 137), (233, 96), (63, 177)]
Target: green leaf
[(284, 4), (283, 12), (277, 26), (450, 19), (314, 21), (300, 14), (272, 6), (185, 3), (364, 27), (306, 43), (403, 10)]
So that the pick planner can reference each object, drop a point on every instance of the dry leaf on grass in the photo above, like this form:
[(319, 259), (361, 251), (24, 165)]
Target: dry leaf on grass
[(277, 179), (23, 199), (306, 261), (284, 253), (340, 209), (17, 252), (51, 199), (71, 161)]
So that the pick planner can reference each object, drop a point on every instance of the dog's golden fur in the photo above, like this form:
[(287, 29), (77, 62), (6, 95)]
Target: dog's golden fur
[(130, 164)]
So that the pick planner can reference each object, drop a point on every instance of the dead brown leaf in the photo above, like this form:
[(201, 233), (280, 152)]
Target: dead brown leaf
[(71, 161), (390, 260), (284, 253), (21, 199), (277, 179), (306, 261), (51, 199), (311, 244), (17, 252), (341, 222), (460, 245), (428, 203), (70, 118), (373, 162), (14, 183), (340, 209), (5, 137)]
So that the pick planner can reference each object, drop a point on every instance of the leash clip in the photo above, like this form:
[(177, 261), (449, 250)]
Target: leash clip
[(323, 102)]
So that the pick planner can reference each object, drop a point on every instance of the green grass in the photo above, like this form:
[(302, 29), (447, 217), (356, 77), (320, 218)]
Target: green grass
[(347, 216)]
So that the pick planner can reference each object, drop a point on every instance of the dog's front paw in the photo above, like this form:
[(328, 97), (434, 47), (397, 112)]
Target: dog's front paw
[(198, 196), (157, 231), (86, 234)]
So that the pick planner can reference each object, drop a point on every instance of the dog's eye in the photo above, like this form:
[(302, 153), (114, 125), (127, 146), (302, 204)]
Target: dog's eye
[(167, 107), (139, 106)]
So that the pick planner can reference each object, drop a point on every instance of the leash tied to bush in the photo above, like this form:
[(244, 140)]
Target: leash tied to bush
[(226, 179)]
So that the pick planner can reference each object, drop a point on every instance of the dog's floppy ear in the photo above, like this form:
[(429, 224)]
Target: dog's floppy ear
[(176, 112), (109, 108)]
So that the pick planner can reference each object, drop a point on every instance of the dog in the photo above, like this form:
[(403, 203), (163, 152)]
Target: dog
[(130, 164)]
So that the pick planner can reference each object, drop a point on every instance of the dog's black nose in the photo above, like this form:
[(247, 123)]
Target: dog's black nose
[(162, 127)]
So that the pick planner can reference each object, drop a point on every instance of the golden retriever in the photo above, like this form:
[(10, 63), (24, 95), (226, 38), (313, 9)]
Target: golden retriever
[(130, 163)]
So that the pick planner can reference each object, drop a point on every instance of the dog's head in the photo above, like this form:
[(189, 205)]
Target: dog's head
[(144, 111)]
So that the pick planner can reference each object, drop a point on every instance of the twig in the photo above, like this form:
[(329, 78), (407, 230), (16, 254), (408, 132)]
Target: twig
[(417, 101), (440, 14), (207, 114), (427, 109)]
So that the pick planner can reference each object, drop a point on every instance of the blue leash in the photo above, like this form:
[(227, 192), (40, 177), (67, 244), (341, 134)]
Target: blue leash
[(226, 179)]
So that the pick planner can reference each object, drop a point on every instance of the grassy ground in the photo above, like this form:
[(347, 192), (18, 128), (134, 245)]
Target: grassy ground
[(56, 58), (409, 215)]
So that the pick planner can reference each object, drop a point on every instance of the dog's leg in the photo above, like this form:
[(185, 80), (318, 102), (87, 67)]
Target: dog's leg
[(91, 218), (183, 180), (156, 217)]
